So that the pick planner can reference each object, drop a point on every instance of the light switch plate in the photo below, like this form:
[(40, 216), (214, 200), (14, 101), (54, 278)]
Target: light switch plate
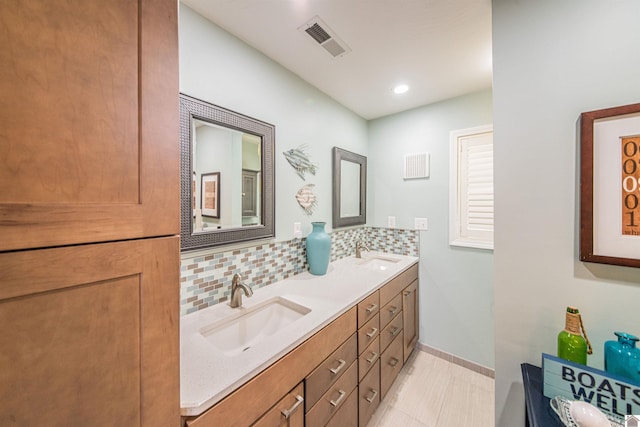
[(421, 224), (391, 222)]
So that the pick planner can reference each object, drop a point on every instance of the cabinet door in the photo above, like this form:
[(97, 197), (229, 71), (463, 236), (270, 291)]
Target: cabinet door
[(249, 193), (288, 412), (90, 335), (89, 114), (410, 313)]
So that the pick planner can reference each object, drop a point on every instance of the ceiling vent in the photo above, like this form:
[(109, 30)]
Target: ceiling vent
[(320, 32)]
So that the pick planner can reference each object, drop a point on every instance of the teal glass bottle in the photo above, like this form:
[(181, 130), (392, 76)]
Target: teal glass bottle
[(622, 357), (318, 245), (571, 345)]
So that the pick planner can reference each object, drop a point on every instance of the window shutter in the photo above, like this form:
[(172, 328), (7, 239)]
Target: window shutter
[(471, 207)]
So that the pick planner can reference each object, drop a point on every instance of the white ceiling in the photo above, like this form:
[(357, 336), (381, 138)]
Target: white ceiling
[(440, 48)]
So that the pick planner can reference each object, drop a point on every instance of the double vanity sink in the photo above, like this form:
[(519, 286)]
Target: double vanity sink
[(221, 347)]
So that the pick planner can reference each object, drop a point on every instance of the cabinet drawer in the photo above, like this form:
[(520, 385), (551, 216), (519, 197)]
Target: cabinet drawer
[(390, 364), (390, 332), (369, 394), (319, 381), (390, 310), (367, 308), (368, 358), (347, 415), (287, 412), (368, 333), (395, 286), (333, 399)]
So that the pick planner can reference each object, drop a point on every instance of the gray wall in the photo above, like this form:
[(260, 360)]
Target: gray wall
[(456, 284), (553, 60)]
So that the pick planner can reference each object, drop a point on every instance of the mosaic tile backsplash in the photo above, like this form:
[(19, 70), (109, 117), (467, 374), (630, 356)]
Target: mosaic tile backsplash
[(205, 280)]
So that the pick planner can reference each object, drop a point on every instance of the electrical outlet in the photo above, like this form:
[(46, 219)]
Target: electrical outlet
[(297, 229), (421, 224), (391, 222)]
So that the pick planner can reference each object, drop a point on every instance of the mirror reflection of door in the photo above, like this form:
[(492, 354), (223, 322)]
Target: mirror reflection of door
[(250, 212), (231, 153), (349, 189)]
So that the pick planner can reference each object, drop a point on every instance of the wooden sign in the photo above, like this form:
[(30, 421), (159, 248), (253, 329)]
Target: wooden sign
[(631, 185), (612, 394)]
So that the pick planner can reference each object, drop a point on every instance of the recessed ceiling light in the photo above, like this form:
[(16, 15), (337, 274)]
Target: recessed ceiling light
[(400, 89)]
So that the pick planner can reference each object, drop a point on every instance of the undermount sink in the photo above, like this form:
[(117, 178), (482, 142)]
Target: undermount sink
[(378, 262), (243, 330)]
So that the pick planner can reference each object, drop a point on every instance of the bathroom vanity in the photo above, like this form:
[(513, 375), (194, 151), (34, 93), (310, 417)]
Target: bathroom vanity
[(340, 342)]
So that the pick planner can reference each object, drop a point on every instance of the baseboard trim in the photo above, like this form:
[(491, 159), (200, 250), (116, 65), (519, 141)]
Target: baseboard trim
[(476, 367)]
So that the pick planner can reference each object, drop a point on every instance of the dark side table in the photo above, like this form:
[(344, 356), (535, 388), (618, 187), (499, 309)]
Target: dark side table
[(538, 412)]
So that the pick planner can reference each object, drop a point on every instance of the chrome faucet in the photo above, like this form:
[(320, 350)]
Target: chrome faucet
[(236, 287), (359, 248)]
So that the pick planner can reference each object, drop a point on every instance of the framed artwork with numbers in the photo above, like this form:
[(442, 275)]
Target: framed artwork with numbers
[(610, 186)]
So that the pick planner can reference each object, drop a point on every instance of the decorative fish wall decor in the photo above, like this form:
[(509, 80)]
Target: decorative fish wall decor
[(306, 199), (299, 160)]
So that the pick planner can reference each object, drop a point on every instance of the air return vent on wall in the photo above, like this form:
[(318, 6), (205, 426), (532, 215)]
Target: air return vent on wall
[(416, 166), (320, 32)]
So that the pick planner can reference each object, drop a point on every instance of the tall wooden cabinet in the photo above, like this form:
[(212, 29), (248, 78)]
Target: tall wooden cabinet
[(89, 213)]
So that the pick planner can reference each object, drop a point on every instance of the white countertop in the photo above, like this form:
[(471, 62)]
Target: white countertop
[(207, 375)]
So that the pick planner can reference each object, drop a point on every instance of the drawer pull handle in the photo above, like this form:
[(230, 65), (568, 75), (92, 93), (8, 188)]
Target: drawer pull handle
[(395, 331), (406, 293), (394, 310), (288, 412), (393, 362), (371, 308), (338, 368), (339, 399), (374, 393), (373, 357), (372, 333)]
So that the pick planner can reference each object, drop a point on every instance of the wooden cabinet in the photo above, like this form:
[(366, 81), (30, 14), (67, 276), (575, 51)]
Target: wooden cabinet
[(288, 412), (89, 193), (89, 122), (393, 321), (89, 335), (410, 317), (346, 368)]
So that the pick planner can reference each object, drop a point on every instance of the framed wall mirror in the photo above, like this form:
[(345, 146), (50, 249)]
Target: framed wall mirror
[(227, 176), (349, 188)]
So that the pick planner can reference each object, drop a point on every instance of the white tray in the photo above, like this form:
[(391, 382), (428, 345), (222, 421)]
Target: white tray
[(560, 406)]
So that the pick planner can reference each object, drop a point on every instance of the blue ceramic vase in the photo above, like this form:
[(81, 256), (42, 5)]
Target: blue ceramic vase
[(318, 245), (622, 357)]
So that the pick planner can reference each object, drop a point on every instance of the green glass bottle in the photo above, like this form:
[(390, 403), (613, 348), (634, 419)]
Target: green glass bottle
[(571, 345)]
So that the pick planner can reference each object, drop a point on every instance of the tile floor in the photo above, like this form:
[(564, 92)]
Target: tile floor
[(432, 392)]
